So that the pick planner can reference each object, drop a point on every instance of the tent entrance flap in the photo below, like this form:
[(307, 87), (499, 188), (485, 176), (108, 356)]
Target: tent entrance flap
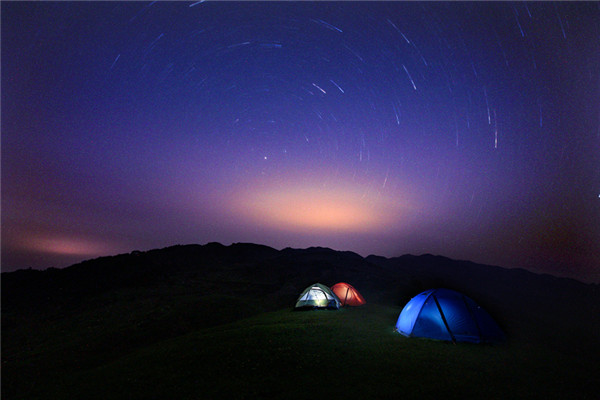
[(437, 303)]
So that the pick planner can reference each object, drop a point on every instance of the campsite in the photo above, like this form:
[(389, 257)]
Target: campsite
[(168, 168), (214, 321)]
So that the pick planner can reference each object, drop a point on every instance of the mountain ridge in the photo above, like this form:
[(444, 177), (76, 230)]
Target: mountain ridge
[(93, 314), (264, 270)]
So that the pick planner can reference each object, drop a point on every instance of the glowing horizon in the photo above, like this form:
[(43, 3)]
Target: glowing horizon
[(70, 246), (381, 128), (307, 207)]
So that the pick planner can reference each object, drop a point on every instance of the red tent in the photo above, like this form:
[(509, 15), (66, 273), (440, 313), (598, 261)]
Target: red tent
[(347, 294)]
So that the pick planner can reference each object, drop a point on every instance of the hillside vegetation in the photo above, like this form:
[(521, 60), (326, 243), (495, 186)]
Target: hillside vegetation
[(216, 321)]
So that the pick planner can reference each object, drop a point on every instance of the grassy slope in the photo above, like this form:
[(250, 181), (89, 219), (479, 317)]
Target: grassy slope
[(227, 330), (284, 354)]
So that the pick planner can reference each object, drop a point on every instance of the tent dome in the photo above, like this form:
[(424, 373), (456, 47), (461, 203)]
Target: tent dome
[(447, 315), (317, 296), (347, 294)]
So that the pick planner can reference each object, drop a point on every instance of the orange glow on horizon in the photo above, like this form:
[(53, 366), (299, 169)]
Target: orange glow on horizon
[(68, 246), (301, 208)]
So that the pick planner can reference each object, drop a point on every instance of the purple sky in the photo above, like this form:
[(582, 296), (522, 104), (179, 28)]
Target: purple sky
[(469, 130)]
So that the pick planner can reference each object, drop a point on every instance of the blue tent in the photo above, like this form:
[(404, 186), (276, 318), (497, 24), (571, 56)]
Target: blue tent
[(447, 315)]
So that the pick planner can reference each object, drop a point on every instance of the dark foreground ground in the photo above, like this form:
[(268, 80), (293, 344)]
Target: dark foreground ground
[(207, 322)]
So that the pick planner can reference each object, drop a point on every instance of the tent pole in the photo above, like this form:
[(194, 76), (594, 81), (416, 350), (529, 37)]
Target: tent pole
[(444, 318)]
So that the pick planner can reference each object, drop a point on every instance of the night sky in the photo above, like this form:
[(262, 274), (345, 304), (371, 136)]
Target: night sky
[(469, 130)]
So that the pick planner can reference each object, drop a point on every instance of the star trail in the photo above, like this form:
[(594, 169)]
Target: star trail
[(469, 130)]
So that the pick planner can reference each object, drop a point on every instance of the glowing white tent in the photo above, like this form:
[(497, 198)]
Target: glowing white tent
[(317, 296)]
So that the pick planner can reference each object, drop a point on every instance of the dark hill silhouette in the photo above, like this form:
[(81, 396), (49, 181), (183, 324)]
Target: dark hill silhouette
[(91, 314), (278, 276)]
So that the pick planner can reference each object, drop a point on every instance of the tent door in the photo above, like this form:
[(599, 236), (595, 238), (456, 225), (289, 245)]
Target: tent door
[(444, 319)]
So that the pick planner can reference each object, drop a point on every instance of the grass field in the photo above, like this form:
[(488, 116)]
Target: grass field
[(209, 322), (283, 354)]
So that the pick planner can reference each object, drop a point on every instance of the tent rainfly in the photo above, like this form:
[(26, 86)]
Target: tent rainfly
[(445, 314), (347, 294), (317, 296)]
